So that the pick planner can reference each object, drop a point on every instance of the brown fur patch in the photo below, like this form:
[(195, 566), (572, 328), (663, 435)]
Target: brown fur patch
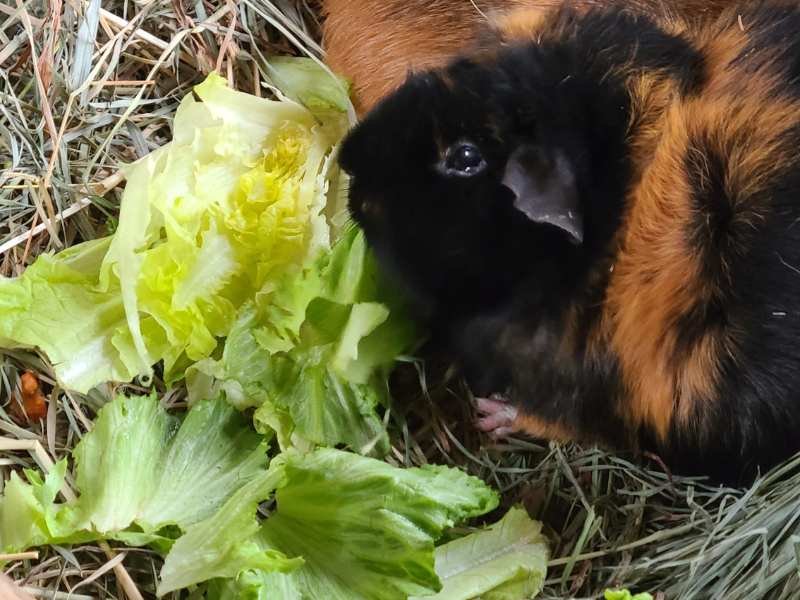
[(658, 277), (375, 43), (651, 94)]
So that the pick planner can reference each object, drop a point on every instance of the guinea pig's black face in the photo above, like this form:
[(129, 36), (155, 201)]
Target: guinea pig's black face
[(441, 183)]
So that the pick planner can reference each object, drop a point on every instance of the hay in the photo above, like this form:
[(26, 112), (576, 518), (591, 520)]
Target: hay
[(85, 87)]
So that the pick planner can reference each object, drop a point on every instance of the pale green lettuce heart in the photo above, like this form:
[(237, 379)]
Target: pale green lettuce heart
[(235, 202)]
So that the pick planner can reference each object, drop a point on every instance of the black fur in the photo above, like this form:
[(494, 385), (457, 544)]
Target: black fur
[(494, 286)]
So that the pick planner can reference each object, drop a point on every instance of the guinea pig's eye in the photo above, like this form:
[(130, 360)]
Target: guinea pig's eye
[(464, 160)]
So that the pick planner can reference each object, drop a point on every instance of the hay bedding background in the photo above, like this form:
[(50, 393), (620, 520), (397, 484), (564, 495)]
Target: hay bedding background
[(85, 86)]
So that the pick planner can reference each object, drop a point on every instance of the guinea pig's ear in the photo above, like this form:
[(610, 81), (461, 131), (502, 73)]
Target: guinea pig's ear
[(545, 189)]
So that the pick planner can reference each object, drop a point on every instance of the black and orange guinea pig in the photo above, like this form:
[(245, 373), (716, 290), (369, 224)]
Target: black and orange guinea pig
[(375, 43), (598, 215)]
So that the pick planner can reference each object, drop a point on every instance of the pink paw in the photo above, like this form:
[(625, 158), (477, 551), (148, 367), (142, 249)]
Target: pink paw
[(498, 417)]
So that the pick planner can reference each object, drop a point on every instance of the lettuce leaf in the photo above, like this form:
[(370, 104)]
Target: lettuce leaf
[(138, 472), (236, 201), (225, 541), (506, 561), (314, 353), (353, 331), (363, 529), (366, 529), (139, 466), (303, 80), (55, 306), (29, 515)]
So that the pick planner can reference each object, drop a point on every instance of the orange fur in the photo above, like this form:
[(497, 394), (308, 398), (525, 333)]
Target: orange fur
[(375, 43), (542, 429), (657, 277), (528, 23)]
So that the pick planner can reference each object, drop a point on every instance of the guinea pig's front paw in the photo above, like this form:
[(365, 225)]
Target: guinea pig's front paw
[(498, 417)]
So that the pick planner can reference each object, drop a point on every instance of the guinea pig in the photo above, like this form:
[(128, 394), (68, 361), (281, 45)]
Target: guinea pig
[(597, 215), (374, 43)]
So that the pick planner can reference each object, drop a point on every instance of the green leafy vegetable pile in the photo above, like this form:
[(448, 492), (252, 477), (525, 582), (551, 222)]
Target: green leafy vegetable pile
[(233, 268), (206, 223)]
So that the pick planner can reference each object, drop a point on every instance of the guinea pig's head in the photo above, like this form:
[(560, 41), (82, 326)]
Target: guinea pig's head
[(469, 180)]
